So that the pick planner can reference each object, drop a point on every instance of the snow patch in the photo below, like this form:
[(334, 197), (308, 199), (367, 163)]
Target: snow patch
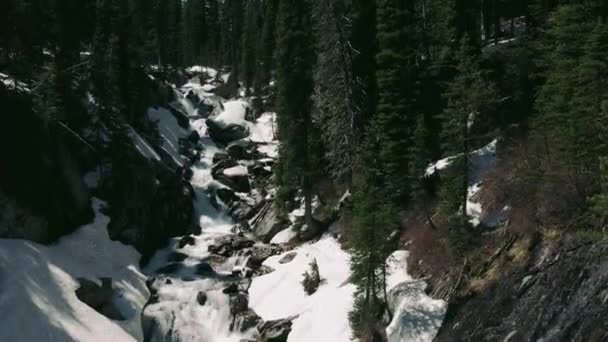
[(322, 316), (233, 114), (238, 170), (38, 283)]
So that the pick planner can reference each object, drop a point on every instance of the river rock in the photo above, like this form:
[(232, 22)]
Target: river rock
[(226, 134), (201, 298), (186, 240), (275, 331)]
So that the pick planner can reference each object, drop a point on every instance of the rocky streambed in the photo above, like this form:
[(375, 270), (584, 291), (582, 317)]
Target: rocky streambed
[(199, 283)]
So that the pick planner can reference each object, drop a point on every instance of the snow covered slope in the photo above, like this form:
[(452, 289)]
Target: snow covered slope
[(323, 316), (37, 285)]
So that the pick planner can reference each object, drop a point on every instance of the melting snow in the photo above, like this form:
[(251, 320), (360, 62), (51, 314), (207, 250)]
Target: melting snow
[(38, 283), (238, 170), (323, 316)]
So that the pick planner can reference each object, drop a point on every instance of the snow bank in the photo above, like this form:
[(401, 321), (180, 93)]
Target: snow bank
[(212, 73), (142, 145), (238, 170), (38, 283), (323, 316), (170, 132), (233, 114), (262, 131), (416, 316)]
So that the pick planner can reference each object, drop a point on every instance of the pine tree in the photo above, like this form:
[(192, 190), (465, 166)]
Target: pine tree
[(470, 97), (249, 42), (298, 164), (395, 76), (335, 87)]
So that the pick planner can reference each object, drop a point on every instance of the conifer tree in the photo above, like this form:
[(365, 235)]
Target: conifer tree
[(470, 98), (335, 87), (298, 164)]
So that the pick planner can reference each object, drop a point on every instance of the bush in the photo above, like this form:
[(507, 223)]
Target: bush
[(312, 278)]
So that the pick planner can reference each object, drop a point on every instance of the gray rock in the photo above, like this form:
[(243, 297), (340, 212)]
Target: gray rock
[(268, 223), (201, 298), (275, 331), (288, 257)]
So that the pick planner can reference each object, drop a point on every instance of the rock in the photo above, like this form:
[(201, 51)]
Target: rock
[(237, 182), (201, 298), (227, 196), (260, 170), (239, 302), (241, 211), (259, 254), (288, 257), (238, 150), (194, 137), (230, 245), (221, 165), (228, 134), (268, 223), (231, 289), (275, 331), (263, 270), (228, 89), (245, 320), (186, 240), (220, 157), (560, 294), (99, 297)]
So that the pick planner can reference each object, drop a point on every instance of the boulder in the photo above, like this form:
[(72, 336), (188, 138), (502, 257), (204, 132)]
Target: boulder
[(226, 134), (268, 223), (259, 254), (275, 331), (239, 302), (194, 137), (227, 196), (238, 182), (231, 289), (201, 298), (245, 320), (222, 164), (219, 157), (240, 150), (288, 257), (99, 297), (186, 240)]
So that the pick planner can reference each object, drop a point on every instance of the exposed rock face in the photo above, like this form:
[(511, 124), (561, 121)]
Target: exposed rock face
[(561, 294), (268, 223), (99, 297), (275, 331)]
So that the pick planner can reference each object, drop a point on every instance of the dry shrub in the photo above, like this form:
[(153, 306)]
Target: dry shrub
[(428, 252)]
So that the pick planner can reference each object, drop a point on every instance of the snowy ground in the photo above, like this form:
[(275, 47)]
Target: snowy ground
[(323, 316), (37, 285)]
